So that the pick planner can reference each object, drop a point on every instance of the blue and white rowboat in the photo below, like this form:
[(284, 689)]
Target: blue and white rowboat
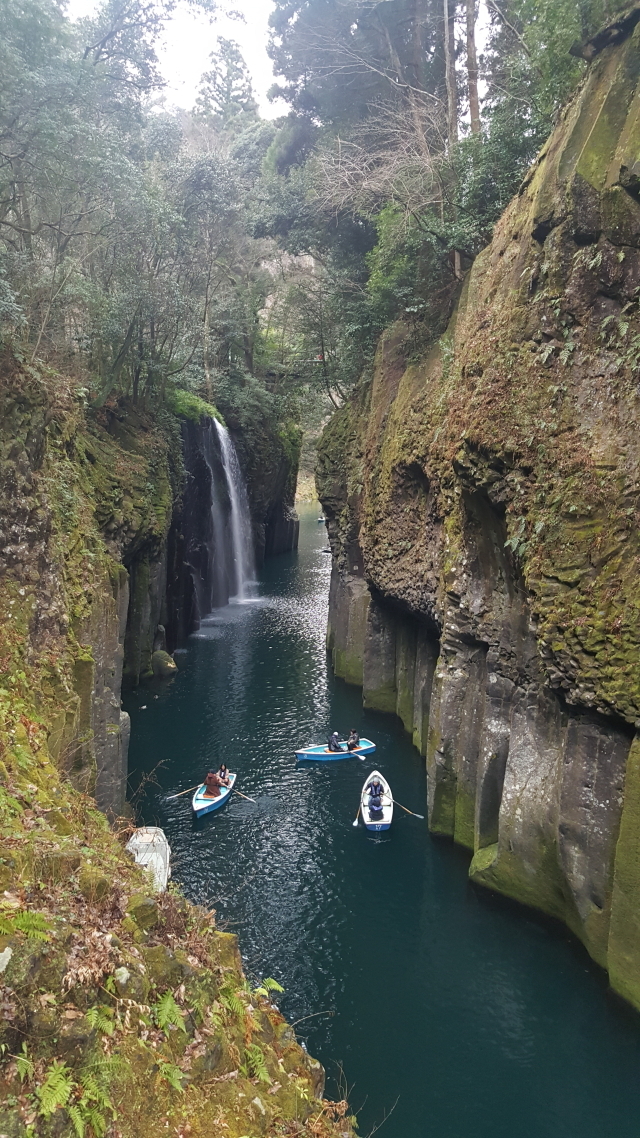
[(203, 805), (322, 751), (376, 821)]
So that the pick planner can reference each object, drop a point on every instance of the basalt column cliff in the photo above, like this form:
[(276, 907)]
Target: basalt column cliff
[(483, 515)]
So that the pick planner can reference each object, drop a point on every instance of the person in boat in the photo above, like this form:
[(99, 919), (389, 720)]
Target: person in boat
[(223, 774), (376, 790), (333, 742), (212, 785), (353, 742)]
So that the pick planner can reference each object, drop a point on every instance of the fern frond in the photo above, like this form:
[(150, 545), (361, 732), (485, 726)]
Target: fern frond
[(230, 1000), (33, 925), (56, 1089), (172, 1074), (101, 1070), (256, 1063), (100, 1019), (272, 985), (199, 1007), (167, 1012), (97, 1121), (76, 1116), (24, 1066), (93, 1092)]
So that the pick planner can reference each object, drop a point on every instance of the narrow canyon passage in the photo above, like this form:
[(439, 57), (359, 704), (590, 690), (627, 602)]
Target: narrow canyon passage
[(452, 1011)]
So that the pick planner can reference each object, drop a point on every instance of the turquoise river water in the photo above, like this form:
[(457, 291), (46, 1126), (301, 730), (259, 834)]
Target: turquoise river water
[(445, 1012)]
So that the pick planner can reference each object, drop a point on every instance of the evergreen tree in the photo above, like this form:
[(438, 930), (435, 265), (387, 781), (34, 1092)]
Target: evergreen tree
[(225, 92)]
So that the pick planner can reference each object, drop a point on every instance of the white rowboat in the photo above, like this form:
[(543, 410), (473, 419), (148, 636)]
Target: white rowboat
[(376, 820)]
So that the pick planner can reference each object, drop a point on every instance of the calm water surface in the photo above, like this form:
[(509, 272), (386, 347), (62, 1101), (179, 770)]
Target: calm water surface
[(445, 1011)]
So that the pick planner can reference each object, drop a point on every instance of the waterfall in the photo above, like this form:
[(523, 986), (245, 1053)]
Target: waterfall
[(216, 576), (210, 545), (243, 567)]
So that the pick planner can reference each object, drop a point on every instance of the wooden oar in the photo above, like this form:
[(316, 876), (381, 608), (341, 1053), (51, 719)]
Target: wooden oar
[(184, 791), (408, 811), (245, 796), (357, 816), (361, 757)]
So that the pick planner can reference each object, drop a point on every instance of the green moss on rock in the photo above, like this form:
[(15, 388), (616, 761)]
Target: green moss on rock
[(191, 406), (127, 1005)]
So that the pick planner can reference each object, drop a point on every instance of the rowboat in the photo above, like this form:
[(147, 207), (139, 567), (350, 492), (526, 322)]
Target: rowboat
[(150, 849), (203, 805), (321, 751), (380, 821)]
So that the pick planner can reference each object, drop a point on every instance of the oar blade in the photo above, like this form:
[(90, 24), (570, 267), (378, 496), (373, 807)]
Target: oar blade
[(408, 811)]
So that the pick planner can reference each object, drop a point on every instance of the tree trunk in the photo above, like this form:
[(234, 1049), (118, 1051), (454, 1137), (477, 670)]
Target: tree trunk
[(205, 350), (205, 330), (449, 10), (24, 215), (137, 371), (472, 68)]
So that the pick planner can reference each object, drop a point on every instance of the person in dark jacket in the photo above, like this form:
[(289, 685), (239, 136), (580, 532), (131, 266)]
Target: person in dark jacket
[(333, 742), (353, 742), (376, 791)]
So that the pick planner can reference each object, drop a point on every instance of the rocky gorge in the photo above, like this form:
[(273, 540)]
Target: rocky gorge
[(482, 507), (121, 1010)]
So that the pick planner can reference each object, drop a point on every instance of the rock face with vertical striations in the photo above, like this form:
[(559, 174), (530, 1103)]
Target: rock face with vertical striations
[(482, 507)]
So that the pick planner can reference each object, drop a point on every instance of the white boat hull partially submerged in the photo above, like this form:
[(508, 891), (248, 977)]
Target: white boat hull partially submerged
[(376, 820), (152, 851)]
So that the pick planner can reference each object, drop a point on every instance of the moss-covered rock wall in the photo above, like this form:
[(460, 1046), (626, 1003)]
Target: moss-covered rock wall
[(83, 499), (121, 1012), (483, 514), (270, 459)]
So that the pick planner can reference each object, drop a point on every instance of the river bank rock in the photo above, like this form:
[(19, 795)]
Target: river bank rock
[(483, 508), (163, 665)]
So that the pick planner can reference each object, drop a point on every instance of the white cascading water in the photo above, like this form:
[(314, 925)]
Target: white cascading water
[(215, 582), (240, 519)]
